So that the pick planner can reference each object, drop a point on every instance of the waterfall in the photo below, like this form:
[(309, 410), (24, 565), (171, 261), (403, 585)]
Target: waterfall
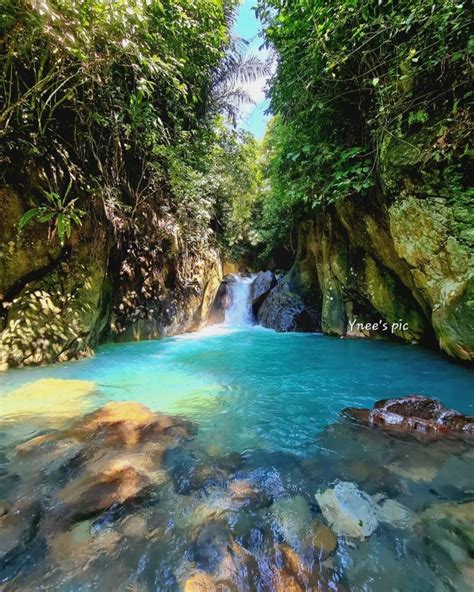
[(239, 312)]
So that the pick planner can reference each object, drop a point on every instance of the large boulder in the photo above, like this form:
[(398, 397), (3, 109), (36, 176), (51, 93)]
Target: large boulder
[(415, 414), (259, 289), (284, 310), (110, 456)]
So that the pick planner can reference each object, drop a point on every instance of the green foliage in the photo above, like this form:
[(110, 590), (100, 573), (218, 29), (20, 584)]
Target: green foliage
[(218, 195), (350, 74), (60, 212), (106, 94), (235, 175)]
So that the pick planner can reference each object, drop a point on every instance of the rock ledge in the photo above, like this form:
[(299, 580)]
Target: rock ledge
[(415, 414)]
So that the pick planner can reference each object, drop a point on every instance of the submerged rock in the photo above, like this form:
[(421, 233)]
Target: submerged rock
[(450, 528), (297, 574), (414, 471), (354, 513), (259, 289), (323, 540), (396, 514), (415, 414), (348, 510), (130, 424), (74, 549), (284, 310), (114, 412), (112, 456), (219, 555), (292, 517), (135, 526), (107, 481), (246, 492), (200, 582), (17, 528)]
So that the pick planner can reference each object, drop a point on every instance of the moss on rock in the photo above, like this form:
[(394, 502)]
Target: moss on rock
[(61, 315)]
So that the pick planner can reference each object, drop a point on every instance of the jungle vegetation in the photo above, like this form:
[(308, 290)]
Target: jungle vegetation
[(105, 106), (351, 75)]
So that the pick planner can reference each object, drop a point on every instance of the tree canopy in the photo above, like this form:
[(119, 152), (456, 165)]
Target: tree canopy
[(351, 75)]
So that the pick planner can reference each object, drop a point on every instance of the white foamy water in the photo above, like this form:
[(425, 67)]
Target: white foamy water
[(239, 312)]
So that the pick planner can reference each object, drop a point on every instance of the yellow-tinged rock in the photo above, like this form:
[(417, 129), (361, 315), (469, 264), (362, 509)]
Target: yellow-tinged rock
[(135, 527), (241, 489), (114, 412), (48, 398), (200, 582), (108, 480), (292, 560), (323, 540), (75, 548), (285, 582)]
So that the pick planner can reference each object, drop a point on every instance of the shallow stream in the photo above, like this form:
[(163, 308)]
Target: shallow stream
[(266, 408)]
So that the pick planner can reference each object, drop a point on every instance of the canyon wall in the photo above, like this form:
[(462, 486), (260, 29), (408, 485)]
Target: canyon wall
[(58, 303), (403, 256)]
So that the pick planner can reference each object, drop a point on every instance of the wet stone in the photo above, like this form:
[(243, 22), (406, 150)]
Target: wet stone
[(396, 514), (135, 527), (415, 415), (210, 546), (292, 518), (17, 528), (348, 510), (322, 540), (200, 582)]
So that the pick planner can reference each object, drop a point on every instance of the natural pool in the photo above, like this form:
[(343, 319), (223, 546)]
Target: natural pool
[(267, 411)]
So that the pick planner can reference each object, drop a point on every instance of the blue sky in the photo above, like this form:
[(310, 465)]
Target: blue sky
[(253, 117)]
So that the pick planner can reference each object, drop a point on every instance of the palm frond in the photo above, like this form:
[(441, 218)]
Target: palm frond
[(237, 69)]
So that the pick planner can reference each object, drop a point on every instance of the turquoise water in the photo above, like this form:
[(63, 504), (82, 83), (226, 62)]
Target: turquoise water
[(267, 411), (253, 387)]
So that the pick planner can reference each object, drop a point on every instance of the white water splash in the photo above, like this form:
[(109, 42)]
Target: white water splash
[(239, 313)]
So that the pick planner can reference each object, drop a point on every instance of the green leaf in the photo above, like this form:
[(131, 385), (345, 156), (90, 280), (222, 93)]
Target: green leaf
[(60, 225), (46, 217), (29, 215)]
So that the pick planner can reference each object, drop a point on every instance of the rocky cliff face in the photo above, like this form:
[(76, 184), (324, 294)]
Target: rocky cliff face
[(401, 263), (58, 303)]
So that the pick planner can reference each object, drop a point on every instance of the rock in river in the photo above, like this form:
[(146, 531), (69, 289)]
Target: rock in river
[(348, 510), (259, 289), (354, 513), (415, 414), (113, 455), (450, 528), (284, 310), (292, 517), (323, 540)]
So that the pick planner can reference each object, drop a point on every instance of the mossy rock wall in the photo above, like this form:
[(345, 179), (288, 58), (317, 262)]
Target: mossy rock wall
[(177, 308), (58, 303), (404, 254), (55, 300)]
